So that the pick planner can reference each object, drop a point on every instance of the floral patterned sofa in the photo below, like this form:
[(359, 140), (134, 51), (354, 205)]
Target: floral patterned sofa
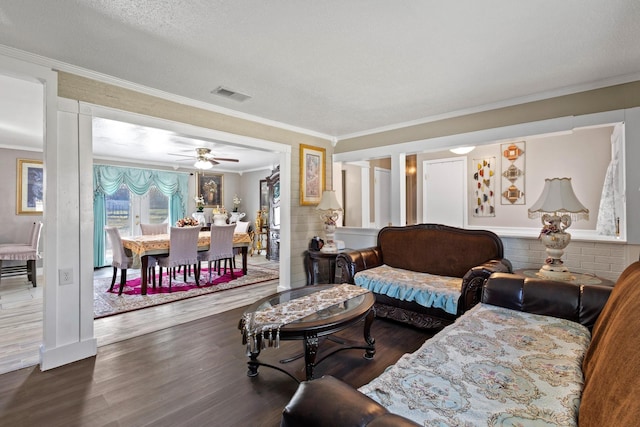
[(425, 275), (528, 354)]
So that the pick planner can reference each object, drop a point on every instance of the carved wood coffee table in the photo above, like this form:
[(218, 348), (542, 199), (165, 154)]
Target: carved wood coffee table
[(306, 314)]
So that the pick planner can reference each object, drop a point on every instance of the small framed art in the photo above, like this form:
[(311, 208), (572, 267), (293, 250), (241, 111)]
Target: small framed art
[(30, 187), (312, 166)]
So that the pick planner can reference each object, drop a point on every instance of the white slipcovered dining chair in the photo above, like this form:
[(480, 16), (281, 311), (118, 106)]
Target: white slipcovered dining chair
[(26, 251), (220, 249), (148, 230), (241, 227), (151, 229), (120, 258), (183, 251)]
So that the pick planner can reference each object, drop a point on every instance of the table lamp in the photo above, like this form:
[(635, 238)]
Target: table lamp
[(329, 213), (557, 206)]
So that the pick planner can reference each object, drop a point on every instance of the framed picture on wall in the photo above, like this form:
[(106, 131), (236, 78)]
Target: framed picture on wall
[(209, 186), (30, 188), (312, 167)]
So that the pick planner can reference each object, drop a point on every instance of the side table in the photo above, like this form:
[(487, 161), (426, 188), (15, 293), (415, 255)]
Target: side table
[(578, 278), (320, 266)]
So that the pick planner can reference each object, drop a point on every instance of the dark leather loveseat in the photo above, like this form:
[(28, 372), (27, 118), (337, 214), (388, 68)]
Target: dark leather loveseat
[(472, 255), (608, 369)]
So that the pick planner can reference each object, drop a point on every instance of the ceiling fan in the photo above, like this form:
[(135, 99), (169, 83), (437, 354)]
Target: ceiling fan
[(204, 159)]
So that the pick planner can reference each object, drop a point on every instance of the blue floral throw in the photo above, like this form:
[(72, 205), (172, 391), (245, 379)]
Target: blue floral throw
[(426, 289)]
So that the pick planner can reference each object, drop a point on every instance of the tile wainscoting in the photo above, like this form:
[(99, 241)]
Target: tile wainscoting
[(603, 259)]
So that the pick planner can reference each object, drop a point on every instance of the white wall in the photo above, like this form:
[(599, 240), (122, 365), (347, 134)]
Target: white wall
[(582, 155)]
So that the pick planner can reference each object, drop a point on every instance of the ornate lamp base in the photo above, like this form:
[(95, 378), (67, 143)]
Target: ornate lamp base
[(329, 244), (554, 268), (562, 273)]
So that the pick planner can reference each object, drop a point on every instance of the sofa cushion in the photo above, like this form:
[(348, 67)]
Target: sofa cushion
[(612, 365), (425, 289), (493, 366)]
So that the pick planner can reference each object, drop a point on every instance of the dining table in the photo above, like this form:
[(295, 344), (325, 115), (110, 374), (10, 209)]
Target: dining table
[(141, 247)]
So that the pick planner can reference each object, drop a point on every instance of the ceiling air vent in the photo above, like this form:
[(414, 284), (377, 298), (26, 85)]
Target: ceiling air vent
[(228, 93)]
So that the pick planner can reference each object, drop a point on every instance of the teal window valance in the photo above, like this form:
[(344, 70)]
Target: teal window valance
[(108, 179)]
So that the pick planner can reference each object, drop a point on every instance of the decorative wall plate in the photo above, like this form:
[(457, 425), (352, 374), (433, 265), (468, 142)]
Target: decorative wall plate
[(512, 152), (512, 194), (512, 173)]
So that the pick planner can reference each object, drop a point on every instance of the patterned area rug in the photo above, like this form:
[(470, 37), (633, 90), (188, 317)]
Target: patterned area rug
[(106, 303)]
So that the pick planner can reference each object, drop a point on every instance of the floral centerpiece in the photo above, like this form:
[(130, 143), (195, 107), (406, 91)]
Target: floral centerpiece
[(236, 202), (187, 222), (199, 203)]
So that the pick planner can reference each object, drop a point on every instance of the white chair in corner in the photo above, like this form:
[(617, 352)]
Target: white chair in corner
[(28, 252)]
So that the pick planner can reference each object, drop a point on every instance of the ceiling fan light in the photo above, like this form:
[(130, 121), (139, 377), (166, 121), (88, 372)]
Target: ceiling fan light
[(462, 150), (202, 164)]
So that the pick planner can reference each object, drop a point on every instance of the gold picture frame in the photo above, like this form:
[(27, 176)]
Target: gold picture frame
[(210, 187), (30, 187), (312, 169)]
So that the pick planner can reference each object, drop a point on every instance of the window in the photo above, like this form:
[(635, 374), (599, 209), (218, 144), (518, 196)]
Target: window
[(126, 210)]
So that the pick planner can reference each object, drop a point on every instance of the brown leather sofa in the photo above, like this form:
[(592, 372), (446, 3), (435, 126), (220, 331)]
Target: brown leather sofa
[(472, 255), (611, 366)]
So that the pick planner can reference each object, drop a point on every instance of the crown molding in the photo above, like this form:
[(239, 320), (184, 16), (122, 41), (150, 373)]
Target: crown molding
[(104, 78), (568, 90)]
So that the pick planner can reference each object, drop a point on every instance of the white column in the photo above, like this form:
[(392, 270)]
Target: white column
[(68, 332), (399, 189)]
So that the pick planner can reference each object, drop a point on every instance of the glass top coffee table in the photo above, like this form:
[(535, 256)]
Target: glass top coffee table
[(306, 314)]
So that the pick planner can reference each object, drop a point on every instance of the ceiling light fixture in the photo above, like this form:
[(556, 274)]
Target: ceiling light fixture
[(462, 150), (202, 163)]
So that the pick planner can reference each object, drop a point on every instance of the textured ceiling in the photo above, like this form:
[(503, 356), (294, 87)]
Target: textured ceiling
[(338, 67)]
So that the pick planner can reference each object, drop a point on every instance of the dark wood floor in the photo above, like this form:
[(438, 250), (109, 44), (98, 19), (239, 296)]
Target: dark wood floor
[(188, 375)]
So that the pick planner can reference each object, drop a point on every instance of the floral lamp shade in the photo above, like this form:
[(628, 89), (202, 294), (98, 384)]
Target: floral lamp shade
[(558, 197)]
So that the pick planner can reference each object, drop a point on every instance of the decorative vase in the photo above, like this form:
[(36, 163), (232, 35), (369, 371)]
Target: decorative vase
[(199, 216), (236, 216), (554, 267), (220, 219)]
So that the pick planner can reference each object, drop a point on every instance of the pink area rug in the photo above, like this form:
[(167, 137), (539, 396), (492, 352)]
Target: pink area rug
[(107, 303), (134, 286)]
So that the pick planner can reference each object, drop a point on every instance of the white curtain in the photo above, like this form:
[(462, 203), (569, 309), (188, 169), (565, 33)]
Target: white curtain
[(612, 199)]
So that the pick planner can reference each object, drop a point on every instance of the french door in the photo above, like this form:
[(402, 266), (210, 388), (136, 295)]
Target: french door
[(126, 210)]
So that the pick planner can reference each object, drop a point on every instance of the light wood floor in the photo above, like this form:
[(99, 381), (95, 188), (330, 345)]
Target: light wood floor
[(21, 309)]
